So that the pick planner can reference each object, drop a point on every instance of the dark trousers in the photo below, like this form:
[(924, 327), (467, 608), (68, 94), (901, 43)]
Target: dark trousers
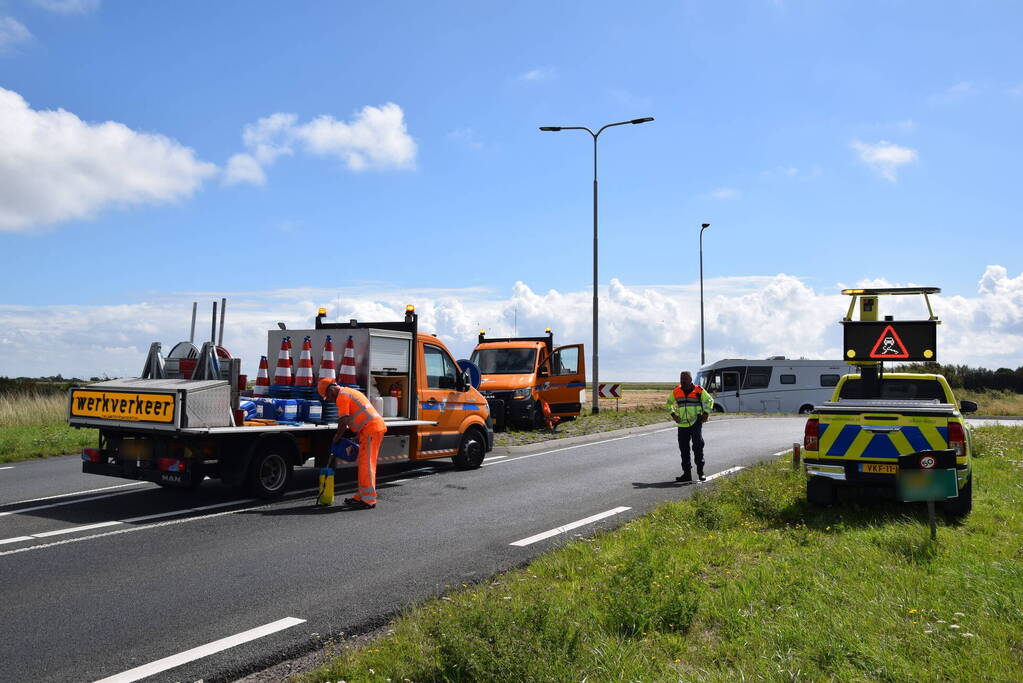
[(694, 434)]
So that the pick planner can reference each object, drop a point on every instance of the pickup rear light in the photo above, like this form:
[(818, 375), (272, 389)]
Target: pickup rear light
[(171, 464), (957, 438), (810, 434), (92, 455)]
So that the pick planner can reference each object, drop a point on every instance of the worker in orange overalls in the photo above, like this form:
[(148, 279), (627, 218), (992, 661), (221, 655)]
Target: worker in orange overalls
[(355, 412)]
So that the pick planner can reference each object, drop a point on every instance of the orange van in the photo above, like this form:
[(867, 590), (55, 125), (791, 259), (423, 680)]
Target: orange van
[(519, 373)]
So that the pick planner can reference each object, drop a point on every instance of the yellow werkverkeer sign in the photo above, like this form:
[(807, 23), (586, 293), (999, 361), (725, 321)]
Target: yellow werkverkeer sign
[(119, 405)]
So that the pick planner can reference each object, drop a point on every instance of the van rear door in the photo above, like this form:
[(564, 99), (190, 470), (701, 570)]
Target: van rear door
[(567, 377)]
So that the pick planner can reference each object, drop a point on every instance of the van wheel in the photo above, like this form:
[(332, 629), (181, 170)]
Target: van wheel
[(820, 491), (270, 472), (471, 451), (963, 504), (805, 409)]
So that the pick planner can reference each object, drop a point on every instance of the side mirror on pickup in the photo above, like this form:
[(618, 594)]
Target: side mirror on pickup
[(968, 407)]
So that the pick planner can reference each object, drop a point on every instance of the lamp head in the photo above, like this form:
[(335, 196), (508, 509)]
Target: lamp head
[(643, 120), (705, 225), (550, 128)]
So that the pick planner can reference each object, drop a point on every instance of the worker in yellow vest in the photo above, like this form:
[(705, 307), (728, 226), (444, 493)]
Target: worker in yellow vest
[(689, 406), (356, 412)]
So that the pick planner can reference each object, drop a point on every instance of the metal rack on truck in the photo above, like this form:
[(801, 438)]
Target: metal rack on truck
[(177, 431)]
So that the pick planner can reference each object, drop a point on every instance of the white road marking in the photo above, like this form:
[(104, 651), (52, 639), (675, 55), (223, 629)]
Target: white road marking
[(73, 529), (496, 457), (61, 504), (580, 445), (7, 468), (16, 539), (568, 527), (723, 473), (195, 653), (74, 493)]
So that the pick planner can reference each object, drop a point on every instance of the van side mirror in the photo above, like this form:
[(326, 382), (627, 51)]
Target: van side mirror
[(968, 406), (542, 372)]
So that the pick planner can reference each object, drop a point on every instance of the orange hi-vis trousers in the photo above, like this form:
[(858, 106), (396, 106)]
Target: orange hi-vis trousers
[(369, 449)]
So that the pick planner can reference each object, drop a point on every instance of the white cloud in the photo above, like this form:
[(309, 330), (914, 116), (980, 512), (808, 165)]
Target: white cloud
[(541, 74), (12, 34), (243, 168), (884, 157), (376, 138), (724, 194), (647, 332), (55, 167), (68, 6), (466, 137), (959, 91)]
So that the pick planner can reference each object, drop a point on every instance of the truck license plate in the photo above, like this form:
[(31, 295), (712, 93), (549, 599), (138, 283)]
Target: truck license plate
[(876, 468)]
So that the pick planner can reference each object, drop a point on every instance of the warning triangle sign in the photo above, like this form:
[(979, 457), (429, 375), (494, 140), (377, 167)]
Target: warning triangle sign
[(889, 345)]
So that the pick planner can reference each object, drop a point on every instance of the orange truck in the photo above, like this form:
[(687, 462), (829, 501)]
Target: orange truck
[(186, 430), (520, 373)]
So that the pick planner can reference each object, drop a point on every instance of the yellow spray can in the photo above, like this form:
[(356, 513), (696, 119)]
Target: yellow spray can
[(326, 496)]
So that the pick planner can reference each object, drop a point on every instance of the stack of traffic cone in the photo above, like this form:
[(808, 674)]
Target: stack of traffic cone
[(262, 387), (346, 377), (281, 388), (303, 386)]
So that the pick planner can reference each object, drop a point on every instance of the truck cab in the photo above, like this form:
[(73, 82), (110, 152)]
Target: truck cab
[(520, 373)]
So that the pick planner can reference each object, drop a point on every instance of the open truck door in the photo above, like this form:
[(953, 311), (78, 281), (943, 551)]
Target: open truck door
[(562, 378)]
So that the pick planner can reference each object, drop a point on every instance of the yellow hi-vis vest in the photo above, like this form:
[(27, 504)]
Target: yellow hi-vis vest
[(689, 406)]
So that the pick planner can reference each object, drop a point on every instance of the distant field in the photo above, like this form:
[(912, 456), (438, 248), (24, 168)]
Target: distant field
[(33, 425)]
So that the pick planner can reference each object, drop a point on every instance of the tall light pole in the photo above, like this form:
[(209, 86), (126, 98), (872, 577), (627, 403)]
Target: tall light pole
[(596, 400), (703, 359)]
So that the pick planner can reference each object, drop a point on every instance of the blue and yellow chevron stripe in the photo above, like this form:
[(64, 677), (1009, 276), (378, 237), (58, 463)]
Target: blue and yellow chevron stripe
[(853, 441)]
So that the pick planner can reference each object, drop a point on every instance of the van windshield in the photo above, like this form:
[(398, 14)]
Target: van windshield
[(505, 361)]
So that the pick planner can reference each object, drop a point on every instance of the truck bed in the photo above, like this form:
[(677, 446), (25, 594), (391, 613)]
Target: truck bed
[(308, 427)]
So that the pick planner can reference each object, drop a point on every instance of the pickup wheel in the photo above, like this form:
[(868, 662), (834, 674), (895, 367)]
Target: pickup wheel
[(820, 491), (471, 451), (805, 409), (963, 504), (270, 471)]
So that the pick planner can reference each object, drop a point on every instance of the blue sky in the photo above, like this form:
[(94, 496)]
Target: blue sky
[(829, 142)]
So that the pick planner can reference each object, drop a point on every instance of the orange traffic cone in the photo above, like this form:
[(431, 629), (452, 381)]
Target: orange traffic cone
[(347, 375), (304, 371), (282, 376), (327, 369), (262, 387)]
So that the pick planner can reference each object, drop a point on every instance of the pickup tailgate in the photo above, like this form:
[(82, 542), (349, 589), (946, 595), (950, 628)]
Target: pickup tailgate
[(865, 432)]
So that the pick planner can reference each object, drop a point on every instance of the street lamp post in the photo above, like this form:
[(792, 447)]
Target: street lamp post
[(596, 400), (703, 359)]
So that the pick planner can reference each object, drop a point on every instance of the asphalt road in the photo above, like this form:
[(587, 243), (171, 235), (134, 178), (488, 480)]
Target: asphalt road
[(105, 581)]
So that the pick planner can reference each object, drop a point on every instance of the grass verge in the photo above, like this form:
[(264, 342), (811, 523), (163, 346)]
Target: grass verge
[(33, 425), (743, 581)]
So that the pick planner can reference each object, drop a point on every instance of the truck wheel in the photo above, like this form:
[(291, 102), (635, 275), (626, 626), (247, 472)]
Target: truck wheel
[(471, 451), (270, 472), (820, 491), (963, 504)]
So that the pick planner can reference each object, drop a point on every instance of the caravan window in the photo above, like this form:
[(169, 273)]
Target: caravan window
[(787, 379), (829, 380), (758, 378)]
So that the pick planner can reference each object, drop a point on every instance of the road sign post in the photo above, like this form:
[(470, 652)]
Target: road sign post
[(928, 476)]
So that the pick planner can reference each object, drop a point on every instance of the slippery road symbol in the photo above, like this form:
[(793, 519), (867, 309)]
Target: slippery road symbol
[(889, 345)]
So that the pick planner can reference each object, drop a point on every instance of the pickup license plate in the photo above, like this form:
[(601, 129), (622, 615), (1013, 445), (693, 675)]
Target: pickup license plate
[(877, 468)]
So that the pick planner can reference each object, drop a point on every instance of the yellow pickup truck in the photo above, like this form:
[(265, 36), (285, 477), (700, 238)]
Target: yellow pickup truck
[(856, 441)]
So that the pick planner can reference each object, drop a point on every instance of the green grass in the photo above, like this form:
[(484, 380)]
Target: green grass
[(34, 425), (605, 421), (744, 581), (994, 402)]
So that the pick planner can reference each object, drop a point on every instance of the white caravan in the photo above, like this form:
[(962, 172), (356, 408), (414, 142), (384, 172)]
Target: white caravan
[(775, 385)]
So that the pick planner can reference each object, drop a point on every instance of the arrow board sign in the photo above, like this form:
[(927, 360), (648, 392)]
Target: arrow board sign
[(609, 390), (890, 340)]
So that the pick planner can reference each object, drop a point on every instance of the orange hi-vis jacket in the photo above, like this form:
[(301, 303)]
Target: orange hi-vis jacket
[(689, 406), (363, 415)]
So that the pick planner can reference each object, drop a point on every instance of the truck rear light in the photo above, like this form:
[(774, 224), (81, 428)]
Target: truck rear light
[(171, 464), (957, 438), (810, 434), (92, 455)]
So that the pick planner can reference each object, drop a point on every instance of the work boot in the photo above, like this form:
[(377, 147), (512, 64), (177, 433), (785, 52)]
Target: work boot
[(357, 504), (699, 473), (686, 478)]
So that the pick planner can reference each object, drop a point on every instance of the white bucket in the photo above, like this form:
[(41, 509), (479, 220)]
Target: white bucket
[(390, 406)]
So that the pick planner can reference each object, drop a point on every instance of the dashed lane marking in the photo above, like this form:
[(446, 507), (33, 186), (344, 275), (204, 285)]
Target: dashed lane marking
[(73, 493), (202, 651), (568, 527)]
